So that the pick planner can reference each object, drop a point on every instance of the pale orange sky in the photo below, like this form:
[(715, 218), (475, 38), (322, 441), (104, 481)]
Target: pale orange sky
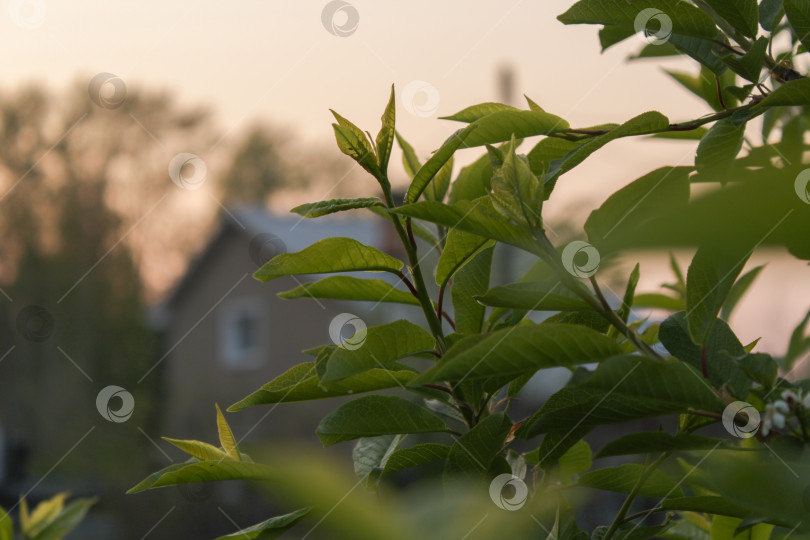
[(275, 60)]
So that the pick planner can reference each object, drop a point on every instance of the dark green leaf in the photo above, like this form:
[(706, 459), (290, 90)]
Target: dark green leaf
[(548, 295), (300, 383), (798, 15), (269, 529), (473, 452), (623, 388), (475, 112), (743, 15), (523, 349), (327, 256), (738, 290), (416, 455), (322, 208), (458, 250), (717, 150), (624, 477), (370, 416), (380, 345), (651, 442), (470, 281), (351, 288)]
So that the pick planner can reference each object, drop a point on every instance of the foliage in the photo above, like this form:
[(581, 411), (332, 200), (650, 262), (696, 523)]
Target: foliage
[(51, 519), (690, 369)]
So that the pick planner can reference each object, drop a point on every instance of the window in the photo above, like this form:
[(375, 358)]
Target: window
[(243, 333)]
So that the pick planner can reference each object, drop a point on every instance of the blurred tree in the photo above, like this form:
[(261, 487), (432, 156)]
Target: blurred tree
[(256, 170)]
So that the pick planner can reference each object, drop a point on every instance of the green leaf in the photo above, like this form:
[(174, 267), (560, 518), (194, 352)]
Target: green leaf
[(547, 295), (44, 512), (523, 349), (269, 529), (198, 449), (717, 150), (798, 15), (624, 477), (371, 453), (743, 15), (708, 283), (576, 460), (6, 526), (370, 416), (476, 217), (543, 155), (768, 11), (459, 249), (471, 280), (351, 288), (650, 442), (798, 344), (790, 94), (610, 35), (353, 142), (420, 454), (644, 124), (226, 438), (204, 471), (473, 452), (750, 65), (738, 290), (385, 137), (501, 126), (476, 112), (382, 344), (432, 166), (322, 208), (623, 388), (637, 203), (300, 383), (67, 520), (722, 351), (659, 301), (437, 188), (686, 18), (629, 294), (472, 182), (409, 160), (516, 191), (327, 256), (708, 504)]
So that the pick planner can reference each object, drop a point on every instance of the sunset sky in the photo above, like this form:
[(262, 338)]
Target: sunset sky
[(273, 60)]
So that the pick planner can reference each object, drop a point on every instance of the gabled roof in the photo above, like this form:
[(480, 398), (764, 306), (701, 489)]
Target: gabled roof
[(296, 233)]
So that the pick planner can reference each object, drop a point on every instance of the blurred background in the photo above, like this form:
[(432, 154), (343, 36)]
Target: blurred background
[(149, 153)]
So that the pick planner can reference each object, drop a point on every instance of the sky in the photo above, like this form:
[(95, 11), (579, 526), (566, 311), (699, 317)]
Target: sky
[(287, 63)]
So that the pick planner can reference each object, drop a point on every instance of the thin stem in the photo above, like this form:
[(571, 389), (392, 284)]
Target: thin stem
[(450, 321), (628, 502), (707, 414), (419, 287), (439, 387), (620, 325), (408, 283)]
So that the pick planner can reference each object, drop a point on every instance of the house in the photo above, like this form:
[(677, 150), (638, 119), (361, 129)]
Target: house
[(225, 334)]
